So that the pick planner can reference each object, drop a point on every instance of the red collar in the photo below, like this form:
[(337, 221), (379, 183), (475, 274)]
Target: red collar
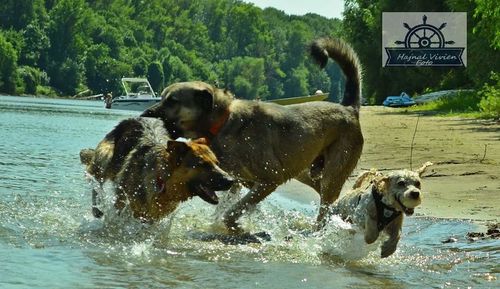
[(219, 123)]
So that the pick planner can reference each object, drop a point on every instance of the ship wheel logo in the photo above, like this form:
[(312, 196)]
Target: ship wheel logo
[(423, 44), (424, 36)]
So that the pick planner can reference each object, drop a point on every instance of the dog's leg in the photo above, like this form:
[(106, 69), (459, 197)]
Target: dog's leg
[(306, 179), (257, 194), (95, 210), (226, 200), (371, 230), (121, 198), (325, 199), (393, 229), (317, 166), (340, 160)]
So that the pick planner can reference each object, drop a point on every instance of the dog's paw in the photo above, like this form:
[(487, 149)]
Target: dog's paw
[(232, 226), (387, 250)]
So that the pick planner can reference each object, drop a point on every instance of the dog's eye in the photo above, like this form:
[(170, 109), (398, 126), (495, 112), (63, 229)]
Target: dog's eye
[(417, 184), (401, 183)]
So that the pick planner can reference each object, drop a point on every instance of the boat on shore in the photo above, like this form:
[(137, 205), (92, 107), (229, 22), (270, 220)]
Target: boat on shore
[(139, 95), (300, 99)]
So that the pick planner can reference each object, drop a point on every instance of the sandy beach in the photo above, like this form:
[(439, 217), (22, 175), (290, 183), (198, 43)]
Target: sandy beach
[(464, 183)]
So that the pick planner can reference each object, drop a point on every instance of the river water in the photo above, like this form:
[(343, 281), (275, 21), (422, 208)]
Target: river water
[(49, 239)]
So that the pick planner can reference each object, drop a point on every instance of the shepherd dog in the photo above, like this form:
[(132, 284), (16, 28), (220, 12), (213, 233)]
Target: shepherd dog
[(378, 202), (262, 144), (152, 172)]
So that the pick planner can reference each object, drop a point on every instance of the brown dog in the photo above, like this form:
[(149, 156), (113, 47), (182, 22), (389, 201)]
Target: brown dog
[(378, 201), (263, 144), (151, 171)]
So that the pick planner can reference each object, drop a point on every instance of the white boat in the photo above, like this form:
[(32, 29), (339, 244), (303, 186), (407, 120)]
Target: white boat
[(139, 95)]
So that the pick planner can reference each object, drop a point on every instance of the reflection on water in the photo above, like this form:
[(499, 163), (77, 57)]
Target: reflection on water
[(48, 238)]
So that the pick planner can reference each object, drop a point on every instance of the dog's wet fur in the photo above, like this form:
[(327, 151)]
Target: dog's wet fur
[(152, 172), (378, 202), (263, 144)]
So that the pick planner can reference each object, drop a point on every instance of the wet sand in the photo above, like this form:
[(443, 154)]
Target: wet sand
[(464, 183)]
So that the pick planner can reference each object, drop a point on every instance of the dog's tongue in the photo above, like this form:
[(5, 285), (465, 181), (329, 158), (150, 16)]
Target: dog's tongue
[(208, 195)]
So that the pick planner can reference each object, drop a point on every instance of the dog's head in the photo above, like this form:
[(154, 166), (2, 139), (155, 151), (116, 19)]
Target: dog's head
[(190, 169), (401, 189), (190, 108)]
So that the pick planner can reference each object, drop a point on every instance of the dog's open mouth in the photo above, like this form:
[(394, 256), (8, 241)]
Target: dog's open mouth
[(409, 211), (206, 194), (406, 210)]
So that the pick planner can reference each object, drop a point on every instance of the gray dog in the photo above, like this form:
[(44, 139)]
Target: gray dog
[(263, 144), (378, 201)]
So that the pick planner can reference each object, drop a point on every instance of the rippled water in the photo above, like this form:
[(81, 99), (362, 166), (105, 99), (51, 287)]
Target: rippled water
[(48, 238)]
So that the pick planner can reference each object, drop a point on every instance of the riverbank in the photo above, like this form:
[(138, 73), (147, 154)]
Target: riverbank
[(464, 183)]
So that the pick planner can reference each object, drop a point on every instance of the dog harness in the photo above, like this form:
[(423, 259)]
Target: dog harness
[(385, 214)]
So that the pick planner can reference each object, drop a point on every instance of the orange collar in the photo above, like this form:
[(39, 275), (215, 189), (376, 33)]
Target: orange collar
[(219, 123)]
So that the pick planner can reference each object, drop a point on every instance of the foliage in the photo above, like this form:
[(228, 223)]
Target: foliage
[(362, 27), (64, 46), (155, 75), (8, 66), (32, 78), (463, 101), (490, 93), (244, 76), (93, 43)]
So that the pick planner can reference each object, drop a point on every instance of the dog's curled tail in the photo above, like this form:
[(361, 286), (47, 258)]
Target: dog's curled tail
[(342, 53)]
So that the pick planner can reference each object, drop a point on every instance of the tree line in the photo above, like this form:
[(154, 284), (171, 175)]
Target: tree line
[(64, 47)]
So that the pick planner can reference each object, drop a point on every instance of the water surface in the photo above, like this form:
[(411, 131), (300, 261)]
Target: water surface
[(49, 239)]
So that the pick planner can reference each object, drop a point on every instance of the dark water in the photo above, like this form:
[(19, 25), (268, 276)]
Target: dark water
[(48, 238)]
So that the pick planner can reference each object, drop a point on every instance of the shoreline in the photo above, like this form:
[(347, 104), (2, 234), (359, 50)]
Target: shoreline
[(463, 183)]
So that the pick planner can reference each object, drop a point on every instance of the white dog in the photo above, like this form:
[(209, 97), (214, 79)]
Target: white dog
[(377, 203)]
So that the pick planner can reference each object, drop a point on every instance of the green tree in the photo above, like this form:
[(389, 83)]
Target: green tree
[(36, 44), (103, 73), (67, 76), (17, 14), (362, 27), (83, 43), (8, 66), (31, 78), (297, 84), (156, 76), (245, 77), (69, 40), (176, 70)]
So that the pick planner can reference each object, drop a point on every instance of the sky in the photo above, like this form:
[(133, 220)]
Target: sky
[(327, 8)]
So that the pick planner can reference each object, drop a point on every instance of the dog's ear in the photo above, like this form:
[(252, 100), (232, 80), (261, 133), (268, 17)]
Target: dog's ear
[(153, 111), (177, 149), (364, 178), (205, 98), (381, 183), (423, 168), (201, 140), (164, 93)]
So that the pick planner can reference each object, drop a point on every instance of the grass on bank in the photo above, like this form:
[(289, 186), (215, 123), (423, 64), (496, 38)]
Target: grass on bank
[(461, 103), (484, 103)]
